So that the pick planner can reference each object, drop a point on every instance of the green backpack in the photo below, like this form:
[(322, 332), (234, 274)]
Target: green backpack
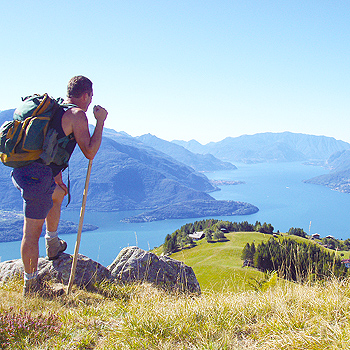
[(27, 137)]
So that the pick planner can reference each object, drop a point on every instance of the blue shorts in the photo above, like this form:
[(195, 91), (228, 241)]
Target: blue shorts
[(36, 183)]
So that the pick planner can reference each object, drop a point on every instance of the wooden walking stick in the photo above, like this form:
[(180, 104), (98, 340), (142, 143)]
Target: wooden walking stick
[(80, 228)]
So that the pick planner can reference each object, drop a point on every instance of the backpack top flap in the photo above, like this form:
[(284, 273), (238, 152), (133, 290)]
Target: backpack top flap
[(35, 105)]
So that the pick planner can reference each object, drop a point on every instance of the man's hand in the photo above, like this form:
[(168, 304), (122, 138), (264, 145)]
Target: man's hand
[(100, 113), (59, 182)]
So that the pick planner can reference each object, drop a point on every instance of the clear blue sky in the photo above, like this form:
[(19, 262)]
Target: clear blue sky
[(189, 69)]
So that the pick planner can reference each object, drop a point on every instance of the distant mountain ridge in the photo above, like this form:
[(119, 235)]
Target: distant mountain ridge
[(270, 147), (199, 162)]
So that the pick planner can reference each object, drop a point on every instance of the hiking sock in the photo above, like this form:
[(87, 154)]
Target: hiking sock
[(50, 235), (30, 283), (30, 276)]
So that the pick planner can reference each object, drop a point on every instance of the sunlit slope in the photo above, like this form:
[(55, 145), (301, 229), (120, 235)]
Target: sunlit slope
[(218, 266)]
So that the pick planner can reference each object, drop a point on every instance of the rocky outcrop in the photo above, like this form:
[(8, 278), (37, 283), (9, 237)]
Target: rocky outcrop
[(131, 265), (87, 272), (135, 264)]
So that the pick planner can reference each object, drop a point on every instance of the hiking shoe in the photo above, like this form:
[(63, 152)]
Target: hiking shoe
[(54, 247), (38, 287)]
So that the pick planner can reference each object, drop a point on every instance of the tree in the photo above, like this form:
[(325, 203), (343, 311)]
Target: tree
[(297, 232), (248, 252), (252, 251), (257, 226), (170, 244), (183, 240), (267, 228), (298, 261), (208, 233), (219, 235)]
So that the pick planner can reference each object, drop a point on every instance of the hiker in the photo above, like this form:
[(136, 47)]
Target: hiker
[(42, 187)]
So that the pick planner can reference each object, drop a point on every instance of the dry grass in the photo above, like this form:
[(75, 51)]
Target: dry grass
[(285, 316)]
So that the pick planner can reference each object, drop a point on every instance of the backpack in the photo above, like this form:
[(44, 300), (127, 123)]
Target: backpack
[(28, 137)]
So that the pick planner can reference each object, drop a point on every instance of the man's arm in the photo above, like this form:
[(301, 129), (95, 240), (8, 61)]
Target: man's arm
[(80, 127)]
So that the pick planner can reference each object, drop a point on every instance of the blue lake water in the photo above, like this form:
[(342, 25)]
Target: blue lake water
[(276, 189)]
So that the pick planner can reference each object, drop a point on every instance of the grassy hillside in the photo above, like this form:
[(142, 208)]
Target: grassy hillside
[(286, 316), (228, 315), (218, 266)]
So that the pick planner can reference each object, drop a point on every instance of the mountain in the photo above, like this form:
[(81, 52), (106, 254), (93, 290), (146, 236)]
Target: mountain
[(339, 177), (270, 147), (129, 176), (11, 227), (338, 161), (199, 162), (126, 175), (195, 209), (192, 145), (6, 115)]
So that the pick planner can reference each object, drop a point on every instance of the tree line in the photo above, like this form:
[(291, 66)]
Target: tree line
[(212, 229), (329, 241), (295, 261)]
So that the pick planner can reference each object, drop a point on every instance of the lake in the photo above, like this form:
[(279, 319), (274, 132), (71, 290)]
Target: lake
[(276, 189)]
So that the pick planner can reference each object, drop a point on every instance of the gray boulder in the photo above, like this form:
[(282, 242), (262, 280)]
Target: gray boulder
[(135, 264), (87, 272), (132, 264)]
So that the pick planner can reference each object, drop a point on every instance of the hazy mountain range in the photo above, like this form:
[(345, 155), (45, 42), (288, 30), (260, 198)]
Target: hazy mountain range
[(148, 173), (269, 147), (199, 162)]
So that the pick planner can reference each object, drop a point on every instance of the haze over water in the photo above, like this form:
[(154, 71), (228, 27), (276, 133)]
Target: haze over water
[(276, 189)]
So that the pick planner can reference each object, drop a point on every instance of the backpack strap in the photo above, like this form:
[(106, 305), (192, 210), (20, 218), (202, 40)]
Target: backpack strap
[(68, 187)]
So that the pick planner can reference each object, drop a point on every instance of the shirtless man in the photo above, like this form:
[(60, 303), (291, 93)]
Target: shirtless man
[(42, 187)]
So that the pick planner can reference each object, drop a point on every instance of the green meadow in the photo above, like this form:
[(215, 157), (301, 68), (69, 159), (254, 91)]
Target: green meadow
[(218, 265)]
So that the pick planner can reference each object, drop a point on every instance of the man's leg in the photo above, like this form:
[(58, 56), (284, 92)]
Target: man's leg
[(54, 246), (53, 217), (37, 185), (30, 254), (30, 244), (34, 284)]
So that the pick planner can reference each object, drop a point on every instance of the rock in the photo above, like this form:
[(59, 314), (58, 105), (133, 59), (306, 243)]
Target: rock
[(11, 269), (87, 271), (132, 264), (135, 264)]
